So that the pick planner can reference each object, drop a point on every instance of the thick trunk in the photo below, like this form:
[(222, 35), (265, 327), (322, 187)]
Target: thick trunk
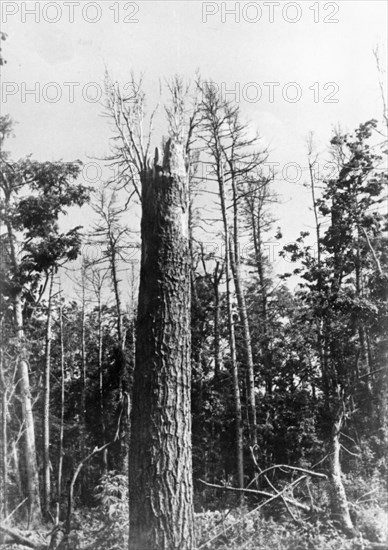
[(160, 475), (30, 474), (339, 503), (46, 409), (28, 463)]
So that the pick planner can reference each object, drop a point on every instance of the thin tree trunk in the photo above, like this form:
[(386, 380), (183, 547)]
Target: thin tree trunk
[(339, 503), (82, 428), (217, 319), (101, 387), (267, 354), (46, 408), (115, 281), (247, 345), (232, 338), (236, 270), (160, 471), (62, 418), (122, 462), (4, 439)]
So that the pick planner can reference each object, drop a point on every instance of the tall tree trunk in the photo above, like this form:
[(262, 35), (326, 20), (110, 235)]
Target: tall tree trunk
[(46, 408), (82, 427), (3, 439), (62, 417), (236, 383), (101, 387), (121, 362), (30, 474), (115, 282), (232, 338), (267, 353), (217, 318), (247, 345), (160, 472), (339, 502), (236, 270)]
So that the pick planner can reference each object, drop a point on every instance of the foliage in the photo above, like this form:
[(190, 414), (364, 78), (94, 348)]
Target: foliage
[(243, 530)]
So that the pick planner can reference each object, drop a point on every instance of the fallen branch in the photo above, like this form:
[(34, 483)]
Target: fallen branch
[(294, 468), (74, 479), (79, 468), (272, 496), (18, 538), (15, 509), (294, 518)]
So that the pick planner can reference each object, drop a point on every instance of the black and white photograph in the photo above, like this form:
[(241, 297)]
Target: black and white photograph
[(193, 275)]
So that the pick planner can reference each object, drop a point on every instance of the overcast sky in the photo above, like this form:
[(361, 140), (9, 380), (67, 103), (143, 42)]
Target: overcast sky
[(318, 57)]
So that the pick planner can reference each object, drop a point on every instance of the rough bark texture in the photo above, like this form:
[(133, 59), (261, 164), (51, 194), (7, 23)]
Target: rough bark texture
[(339, 502), (160, 479)]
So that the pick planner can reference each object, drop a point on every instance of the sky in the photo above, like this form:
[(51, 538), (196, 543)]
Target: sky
[(315, 57)]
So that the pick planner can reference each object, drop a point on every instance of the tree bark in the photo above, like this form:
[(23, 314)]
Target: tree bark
[(62, 418), (339, 502), (82, 411), (31, 489), (217, 320), (235, 263), (236, 270), (3, 439), (232, 338), (101, 386), (232, 344), (160, 473), (46, 409), (31, 477)]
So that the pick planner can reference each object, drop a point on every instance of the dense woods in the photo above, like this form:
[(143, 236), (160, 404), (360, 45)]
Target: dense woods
[(249, 407)]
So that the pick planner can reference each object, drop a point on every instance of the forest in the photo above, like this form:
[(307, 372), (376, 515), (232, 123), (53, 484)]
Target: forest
[(162, 387)]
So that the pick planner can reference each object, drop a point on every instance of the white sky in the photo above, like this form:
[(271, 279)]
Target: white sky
[(171, 37)]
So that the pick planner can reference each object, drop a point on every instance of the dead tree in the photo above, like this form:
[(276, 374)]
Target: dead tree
[(160, 477)]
